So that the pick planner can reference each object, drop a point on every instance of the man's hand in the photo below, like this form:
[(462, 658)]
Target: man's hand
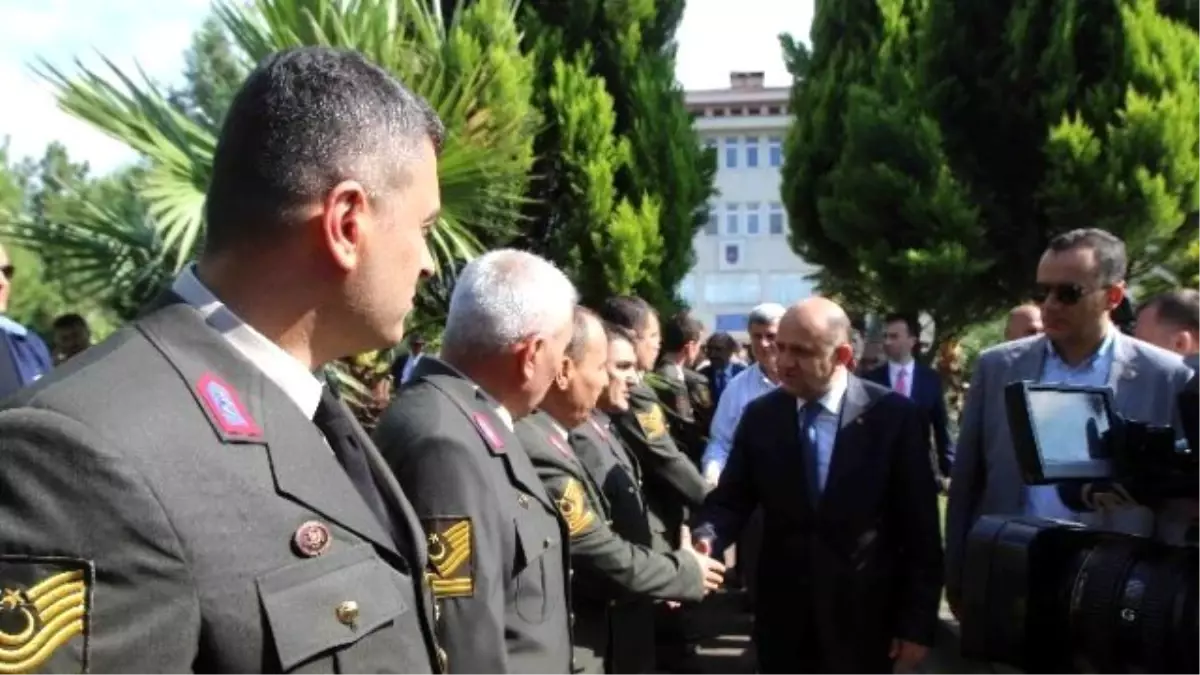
[(712, 474), (1110, 497), (713, 572), (907, 655)]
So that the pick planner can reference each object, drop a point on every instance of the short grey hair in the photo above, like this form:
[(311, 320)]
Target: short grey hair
[(503, 297), (766, 313)]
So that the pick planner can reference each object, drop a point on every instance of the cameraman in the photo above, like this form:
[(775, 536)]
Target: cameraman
[(1080, 279)]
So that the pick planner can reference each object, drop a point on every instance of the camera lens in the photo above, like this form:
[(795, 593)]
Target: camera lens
[(1050, 597)]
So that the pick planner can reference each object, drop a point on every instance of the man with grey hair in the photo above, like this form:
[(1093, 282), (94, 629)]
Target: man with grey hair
[(497, 548), (186, 496), (746, 386)]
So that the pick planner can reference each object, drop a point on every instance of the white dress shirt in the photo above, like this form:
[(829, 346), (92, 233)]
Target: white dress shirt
[(740, 391), (894, 370), (826, 424), (282, 368)]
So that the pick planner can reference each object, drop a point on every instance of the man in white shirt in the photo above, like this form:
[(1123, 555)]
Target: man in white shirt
[(746, 386)]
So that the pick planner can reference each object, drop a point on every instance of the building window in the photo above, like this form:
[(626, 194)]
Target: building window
[(775, 150), (718, 112), (731, 219), (752, 218), (732, 323), (713, 224), (774, 110), (787, 288), (752, 151), (732, 288), (736, 112), (731, 152), (775, 218)]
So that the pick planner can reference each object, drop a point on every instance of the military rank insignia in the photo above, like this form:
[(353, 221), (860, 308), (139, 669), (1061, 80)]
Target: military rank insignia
[(573, 507), (451, 562), (45, 605), (652, 422), (225, 408)]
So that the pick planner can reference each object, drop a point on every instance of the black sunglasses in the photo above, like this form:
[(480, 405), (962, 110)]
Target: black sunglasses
[(8, 271), (1067, 294)]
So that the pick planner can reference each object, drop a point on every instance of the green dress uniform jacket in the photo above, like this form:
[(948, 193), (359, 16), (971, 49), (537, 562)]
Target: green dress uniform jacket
[(497, 549), (684, 394), (671, 482), (165, 507), (608, 570)]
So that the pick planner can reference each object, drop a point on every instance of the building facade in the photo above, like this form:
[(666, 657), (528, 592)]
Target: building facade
[(742, 253)]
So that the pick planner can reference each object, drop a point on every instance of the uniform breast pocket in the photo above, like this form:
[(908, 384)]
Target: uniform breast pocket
[(322, 605), (537, 548)]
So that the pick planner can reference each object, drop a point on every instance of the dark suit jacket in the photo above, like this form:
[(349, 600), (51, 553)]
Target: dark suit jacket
[(502, 582), (926, 391), (607, 569), (860, 568), (716, 385), (170, 479), (672, 483)]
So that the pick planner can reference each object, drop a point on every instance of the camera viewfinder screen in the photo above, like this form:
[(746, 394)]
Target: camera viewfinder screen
[(1070, 427)]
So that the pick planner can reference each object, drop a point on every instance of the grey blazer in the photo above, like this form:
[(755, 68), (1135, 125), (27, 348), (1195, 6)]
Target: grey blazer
[(986, 479)]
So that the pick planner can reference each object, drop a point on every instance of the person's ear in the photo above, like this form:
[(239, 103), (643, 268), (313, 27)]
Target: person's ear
[(345, 212), (528, 351)]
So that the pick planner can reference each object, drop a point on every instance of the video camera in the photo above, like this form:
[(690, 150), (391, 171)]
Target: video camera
[(1053, 596)]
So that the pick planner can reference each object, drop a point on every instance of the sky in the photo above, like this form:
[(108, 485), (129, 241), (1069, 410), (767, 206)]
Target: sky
[(715, 37)]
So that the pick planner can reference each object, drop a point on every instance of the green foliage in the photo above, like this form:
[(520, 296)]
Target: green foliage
[(940, 144), (213, 72), (35, 192), (660, 177), (604, 242), (471, 71)]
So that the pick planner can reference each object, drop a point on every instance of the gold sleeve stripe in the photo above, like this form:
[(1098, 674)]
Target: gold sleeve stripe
[(54, 612)]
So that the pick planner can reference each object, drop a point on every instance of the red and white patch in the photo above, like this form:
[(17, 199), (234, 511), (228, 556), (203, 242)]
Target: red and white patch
[(489, 432), (226, 407)]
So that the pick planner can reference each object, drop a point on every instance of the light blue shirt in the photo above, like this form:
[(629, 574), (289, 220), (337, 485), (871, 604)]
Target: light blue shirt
[(1042, 500), (738, 393), (825, 427)]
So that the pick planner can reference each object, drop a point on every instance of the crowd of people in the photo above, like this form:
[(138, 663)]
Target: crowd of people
[(553, 491)]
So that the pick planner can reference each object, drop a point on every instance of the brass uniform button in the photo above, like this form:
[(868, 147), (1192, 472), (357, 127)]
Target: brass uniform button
[(547, 543), (347, 613), (523, 501), (443, 660)]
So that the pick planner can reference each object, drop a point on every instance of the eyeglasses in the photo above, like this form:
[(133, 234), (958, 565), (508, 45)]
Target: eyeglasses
[(8, 271), (1067, 294)]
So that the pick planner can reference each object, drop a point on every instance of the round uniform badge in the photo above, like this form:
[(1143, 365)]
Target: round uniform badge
[(312, 539)]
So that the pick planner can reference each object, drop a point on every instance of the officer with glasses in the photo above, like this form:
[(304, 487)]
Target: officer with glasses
[(1080, 280)]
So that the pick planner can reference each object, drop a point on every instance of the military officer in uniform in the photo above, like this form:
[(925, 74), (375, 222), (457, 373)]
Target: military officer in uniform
[(608, 568), (672, 484), (497, 549), (683, 392), (185, 497)]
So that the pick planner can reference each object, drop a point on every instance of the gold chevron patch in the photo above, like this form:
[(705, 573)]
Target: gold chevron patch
[(653, 423), (44, 604), (451, 564), (573, 507)]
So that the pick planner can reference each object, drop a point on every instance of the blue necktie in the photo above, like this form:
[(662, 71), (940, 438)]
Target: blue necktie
[(808, 446)]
